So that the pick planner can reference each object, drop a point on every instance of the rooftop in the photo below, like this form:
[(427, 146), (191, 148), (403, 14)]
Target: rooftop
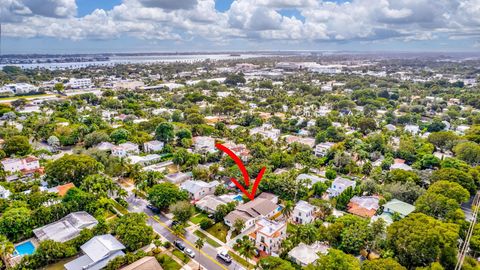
[(66, 228)]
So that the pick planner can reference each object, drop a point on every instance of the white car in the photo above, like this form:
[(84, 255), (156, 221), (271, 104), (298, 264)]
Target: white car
[(189, 252)]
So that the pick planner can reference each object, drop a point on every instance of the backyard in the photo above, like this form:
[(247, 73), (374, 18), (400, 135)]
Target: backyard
[(168, 263), (219, 230)]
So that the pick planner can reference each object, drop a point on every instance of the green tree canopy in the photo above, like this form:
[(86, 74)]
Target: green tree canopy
[(72, 168), (133, 231), (17, 145), (165, 194)]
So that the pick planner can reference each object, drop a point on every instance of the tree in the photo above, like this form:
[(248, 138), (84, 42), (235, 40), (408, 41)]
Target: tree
[(245, 247), (182, 211), (53, 142), (402, 176), (132, 230), (443, 139), (335, 260), (436, 126), (382, 264), (16, 223), (100, 185), (274, 263), (119, 135), (330, 174), (165, 194), (457, 176), (17, 145), (238, 225), (419, 240), (367, 125), (442, 200), (468, 152), (95, 138), (71, 168), (59, 87), (287, 209), (164, 132), (178, 230), (235, 79), (6, 247), (199, 245)]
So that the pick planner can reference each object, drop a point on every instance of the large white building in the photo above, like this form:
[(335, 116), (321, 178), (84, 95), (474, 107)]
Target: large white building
[(13, 165), (303, 213), (268, 235), (267, 131), (20, 88), (125, 149), (79, 83), (153, 146)]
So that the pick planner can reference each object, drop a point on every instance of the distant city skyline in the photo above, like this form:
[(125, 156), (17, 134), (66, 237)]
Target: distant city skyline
[(92, 26)]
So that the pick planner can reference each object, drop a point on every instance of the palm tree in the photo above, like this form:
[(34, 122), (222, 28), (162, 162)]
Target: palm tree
[(287, 209), (246, 247), (178, 230), (239, 225), (199, 245), (6, 248)]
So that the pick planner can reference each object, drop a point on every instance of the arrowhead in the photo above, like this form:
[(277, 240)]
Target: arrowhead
[(250, 195)]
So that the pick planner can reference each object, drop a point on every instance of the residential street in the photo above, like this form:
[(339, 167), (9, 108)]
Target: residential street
[(206, 257)]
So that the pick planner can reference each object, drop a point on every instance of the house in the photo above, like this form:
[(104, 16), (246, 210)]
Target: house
[(125, 149), (268, 235), (268, 196), (204, 144), (266, 131), (26, 165), (199, 189), (403, 209), (310, 179), (178, 177), (339, 185), (304, 254), (4, 193), (210, 203), (322, 149), (79, 83), (365, 206), (105, 146), (412, 129), (238, 149), (67, 228), (145, 263), (145, 160), (98, 251), (310, 142), (153, 146), (62, 189), (303, 213), (252, 211), (400, 164)]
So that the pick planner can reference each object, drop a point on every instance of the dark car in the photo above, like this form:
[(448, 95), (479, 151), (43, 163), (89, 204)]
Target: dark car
[(179, 244), (154, 209), (174, 222)]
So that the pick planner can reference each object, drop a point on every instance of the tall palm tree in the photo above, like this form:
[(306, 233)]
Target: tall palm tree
[(178, 230), (287, 209), (6, 248), (199, 245), (246, 247)]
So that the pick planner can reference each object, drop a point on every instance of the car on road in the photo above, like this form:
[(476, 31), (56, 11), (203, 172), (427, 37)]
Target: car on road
[(154, 209), (224, 256), (174, 222), (189, 252), (179, 244)]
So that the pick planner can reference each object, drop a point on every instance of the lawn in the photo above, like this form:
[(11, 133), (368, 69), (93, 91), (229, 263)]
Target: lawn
[(207, 239), (182, 256), (198, 218), (119, 208), (59, 265), (241, 260), (168, 263), (219, 230)]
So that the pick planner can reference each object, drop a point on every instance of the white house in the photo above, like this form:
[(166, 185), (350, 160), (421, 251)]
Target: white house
[(178, 177), (20, 88), (311, 179), (27, 164), (153, 146), (204, 144), (339, 185), (266, 131), (412, 129), (67, 228), (304, 254), (145, 160), (125, 149), (4, 193), (199, 189), (98, 252), (322, 148), (268, 235), (303, 213), (79, 83), (210, 203)]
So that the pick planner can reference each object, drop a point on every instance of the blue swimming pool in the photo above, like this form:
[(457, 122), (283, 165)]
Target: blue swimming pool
[(238, 198), (26, 248)]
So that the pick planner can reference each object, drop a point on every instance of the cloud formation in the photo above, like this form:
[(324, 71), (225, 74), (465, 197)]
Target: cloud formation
[(254, 20)]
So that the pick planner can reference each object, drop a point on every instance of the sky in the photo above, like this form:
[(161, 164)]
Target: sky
[(103, 26)]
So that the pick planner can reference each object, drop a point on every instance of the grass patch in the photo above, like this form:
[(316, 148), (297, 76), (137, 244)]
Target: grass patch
[(59, 265), (241, 260), (119, 208), (168, 263), (182, 256), (207, 239), (198, 218), (219, 230)]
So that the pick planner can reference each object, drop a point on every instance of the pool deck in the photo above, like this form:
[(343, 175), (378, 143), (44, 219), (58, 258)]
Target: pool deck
[(15, 259)]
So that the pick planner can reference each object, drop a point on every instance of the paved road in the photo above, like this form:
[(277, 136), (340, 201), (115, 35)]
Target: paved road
[(206, 257)]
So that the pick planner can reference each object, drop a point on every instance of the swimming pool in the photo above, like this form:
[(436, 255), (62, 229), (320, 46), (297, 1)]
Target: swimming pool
[(238, 198), (26, 248)]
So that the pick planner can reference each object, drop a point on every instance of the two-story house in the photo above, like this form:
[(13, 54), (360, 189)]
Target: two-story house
[(125, 149), (339, 185), (26, 165), (268, 235), (303, 213), (199, 189), (252, 211), (153, 146)]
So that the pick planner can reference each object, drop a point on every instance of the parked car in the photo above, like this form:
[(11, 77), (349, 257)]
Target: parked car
[(179, 244), (174, 222), (189, 252), (224, 256), (154, 209)]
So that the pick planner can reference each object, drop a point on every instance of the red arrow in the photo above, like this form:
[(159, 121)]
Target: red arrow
[(242, 168)]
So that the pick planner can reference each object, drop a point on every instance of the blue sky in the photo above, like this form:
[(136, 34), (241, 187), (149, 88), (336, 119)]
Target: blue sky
[(71, 26)]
